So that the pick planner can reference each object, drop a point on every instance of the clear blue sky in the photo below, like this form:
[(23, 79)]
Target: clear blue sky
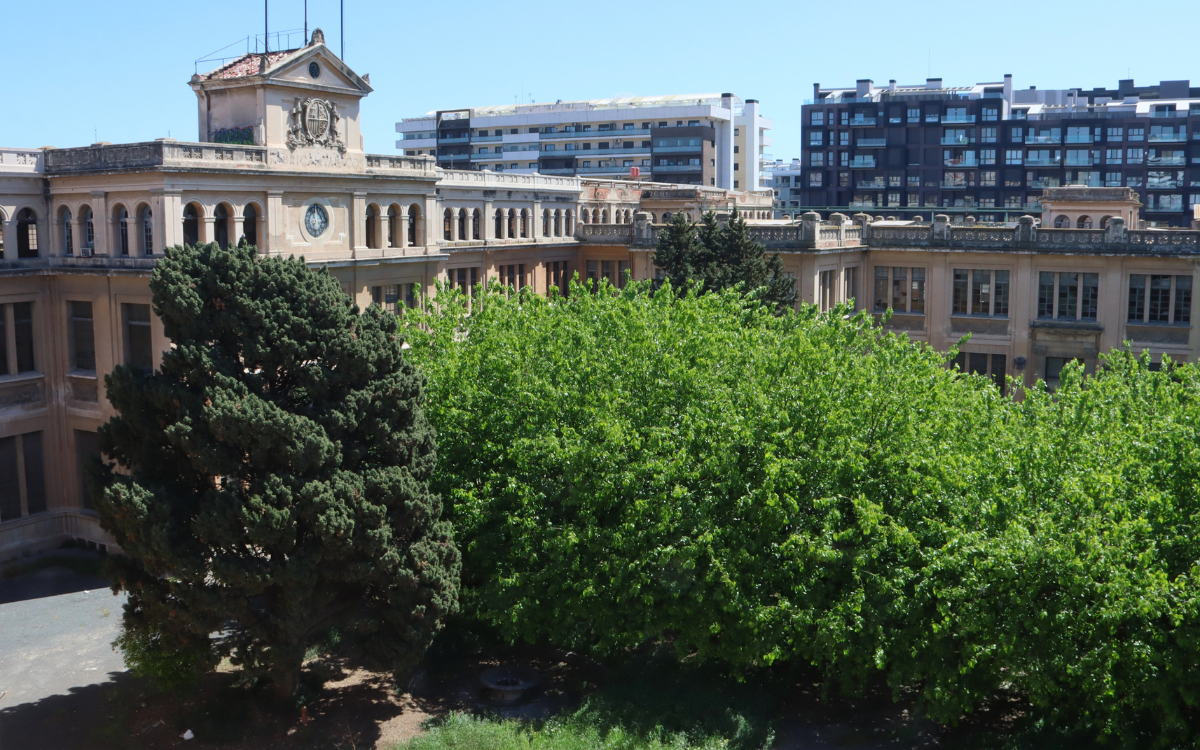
[(120, 69)]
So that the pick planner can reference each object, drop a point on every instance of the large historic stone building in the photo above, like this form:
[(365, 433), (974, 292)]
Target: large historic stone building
[(281, 163)]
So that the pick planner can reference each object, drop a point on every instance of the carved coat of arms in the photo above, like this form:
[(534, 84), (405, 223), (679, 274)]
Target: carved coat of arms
[(314, 123)]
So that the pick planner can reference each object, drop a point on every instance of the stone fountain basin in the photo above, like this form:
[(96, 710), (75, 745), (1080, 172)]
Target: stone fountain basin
[(509, 683)]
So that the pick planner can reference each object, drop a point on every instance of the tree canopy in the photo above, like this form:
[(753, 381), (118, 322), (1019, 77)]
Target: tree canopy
[(271, 479), (721, 256), (753, 487)]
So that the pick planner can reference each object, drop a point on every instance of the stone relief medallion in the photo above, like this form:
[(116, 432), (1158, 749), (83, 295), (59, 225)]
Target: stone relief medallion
[(316, 220), (314, 123)]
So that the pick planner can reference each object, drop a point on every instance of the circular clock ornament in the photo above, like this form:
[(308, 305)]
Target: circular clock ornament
[(316, 221)]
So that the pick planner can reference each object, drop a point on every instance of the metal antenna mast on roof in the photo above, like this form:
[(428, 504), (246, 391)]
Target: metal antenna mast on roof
[(342, 8), (306, 21), (266, 31)]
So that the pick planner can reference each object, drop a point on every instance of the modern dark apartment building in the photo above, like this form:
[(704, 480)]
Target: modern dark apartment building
[(989, 150)]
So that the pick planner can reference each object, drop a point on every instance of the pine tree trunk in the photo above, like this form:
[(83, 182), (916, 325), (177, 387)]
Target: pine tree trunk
[(287, 683)]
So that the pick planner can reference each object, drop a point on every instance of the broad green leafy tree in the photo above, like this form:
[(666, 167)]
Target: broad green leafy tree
[(758, 488), (721, 256), (271, 480)]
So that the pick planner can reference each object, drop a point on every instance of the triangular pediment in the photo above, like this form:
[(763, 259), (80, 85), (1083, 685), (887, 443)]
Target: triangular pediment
[(331, 72)]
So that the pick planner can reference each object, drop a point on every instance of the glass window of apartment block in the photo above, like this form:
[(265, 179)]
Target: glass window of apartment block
[(987, 135), (977, 363), (980, 292), (23, 336), (814, 179), (987, 179), (1160, 299), (22, 476), (1135, 155), (1017, 135), (1014, 156), (900, 288), (1136, 134), (82, 336), (815, 118), (138, 349), (1113, 155), (1116, 134), (1068, 295), (987, 156)]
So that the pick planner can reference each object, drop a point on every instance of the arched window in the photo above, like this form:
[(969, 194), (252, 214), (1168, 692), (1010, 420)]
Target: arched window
[(499, 228), (122, 231), (628, 216), (191, 225), (604, 216), (250, 225), (557, 223), (570, 223), (525, 223), (414, 218), (372, 234), (27, 235), (221, 225), (145, 230), (512, 222), (462, 224), (1104, 222), (477, 224), (447, 224), (393, 239), (1084, 222), (666, 217), (88, 241), (546, 223), (68, 239), (1062, 222)]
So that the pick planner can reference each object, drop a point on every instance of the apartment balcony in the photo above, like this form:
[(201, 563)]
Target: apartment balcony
[(1082, 138), (1166, 208), (1036, 139), (613, 169), (1163, 184), (1082, 161), (862, 122), (871, 142), (486, 138), (676, 149), (1052, 162), (1167, 161), (958, 118), (963, 161), (864, 204), (1170, 113), (462, 139), (675, 168), (871, 185), (955, 185), (960, 140), (593, 134), (604, 151), (863, 163), (1167, 137), (1043, 184)]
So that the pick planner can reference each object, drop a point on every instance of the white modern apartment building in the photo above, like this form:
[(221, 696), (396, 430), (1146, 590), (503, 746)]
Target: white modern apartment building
[(701, 139), (785, 181)]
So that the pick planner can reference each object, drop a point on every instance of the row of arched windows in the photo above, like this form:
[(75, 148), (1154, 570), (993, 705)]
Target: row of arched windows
[(467, 224), (403, 227), (27, 234), (1083, 222), (600, 216)]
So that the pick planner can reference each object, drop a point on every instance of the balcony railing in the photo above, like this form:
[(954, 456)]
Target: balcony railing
[(1043, 184), (676, 149), (676, 168), (958, 118), (1051, 162), (961, 140), (954, 185), (871, 142), (1035, 139), (861, 163), (871, 185), (486, 138), (595, 133), (1163, 184), (462, 139), (1167, 161), (1082, 138), (1168, 137), (1081, 161), (962, 161), (862, 121)]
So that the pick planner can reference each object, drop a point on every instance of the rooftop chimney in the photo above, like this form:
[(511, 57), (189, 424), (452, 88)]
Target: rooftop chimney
[(892, 85), (933, 83), (863, 87)]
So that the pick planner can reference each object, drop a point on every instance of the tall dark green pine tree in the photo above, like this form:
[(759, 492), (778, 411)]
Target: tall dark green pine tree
[(271, 479), (720, 257)]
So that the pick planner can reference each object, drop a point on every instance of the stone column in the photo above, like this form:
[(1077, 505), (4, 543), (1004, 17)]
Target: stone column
[(503, 225), (208, 226), (358, 221), (433, 223), (101, 223), (404, 226), (536, 234), (454, 219), (167, 211), (489, 221), (385, 229), (239, 226), (8, 233), (941, 227), (810, 227), (274, 222)]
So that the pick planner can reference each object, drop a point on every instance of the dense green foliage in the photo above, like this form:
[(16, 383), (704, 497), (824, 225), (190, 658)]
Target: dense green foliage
[(465, 732), (755, 488), (721, 256), (273, 476)]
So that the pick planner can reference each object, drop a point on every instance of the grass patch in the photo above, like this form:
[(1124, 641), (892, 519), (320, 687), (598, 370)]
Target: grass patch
[(465, 732)]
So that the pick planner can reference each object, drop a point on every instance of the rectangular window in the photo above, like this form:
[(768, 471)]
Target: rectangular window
[(987, 179), (980, 292), (961, 285), (22, 493), (827, 289), (86, 446), (817, 118), (1112, 155), (1115, 134), (1134, 155), (1013, 156), (904, 294), (1160, 298), (138, 349), (23, 334), (850, 288), (387, 297), (83, 339), (1068, 295)]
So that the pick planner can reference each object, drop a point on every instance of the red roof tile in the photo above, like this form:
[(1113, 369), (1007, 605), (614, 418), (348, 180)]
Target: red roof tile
[(248, 65)]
